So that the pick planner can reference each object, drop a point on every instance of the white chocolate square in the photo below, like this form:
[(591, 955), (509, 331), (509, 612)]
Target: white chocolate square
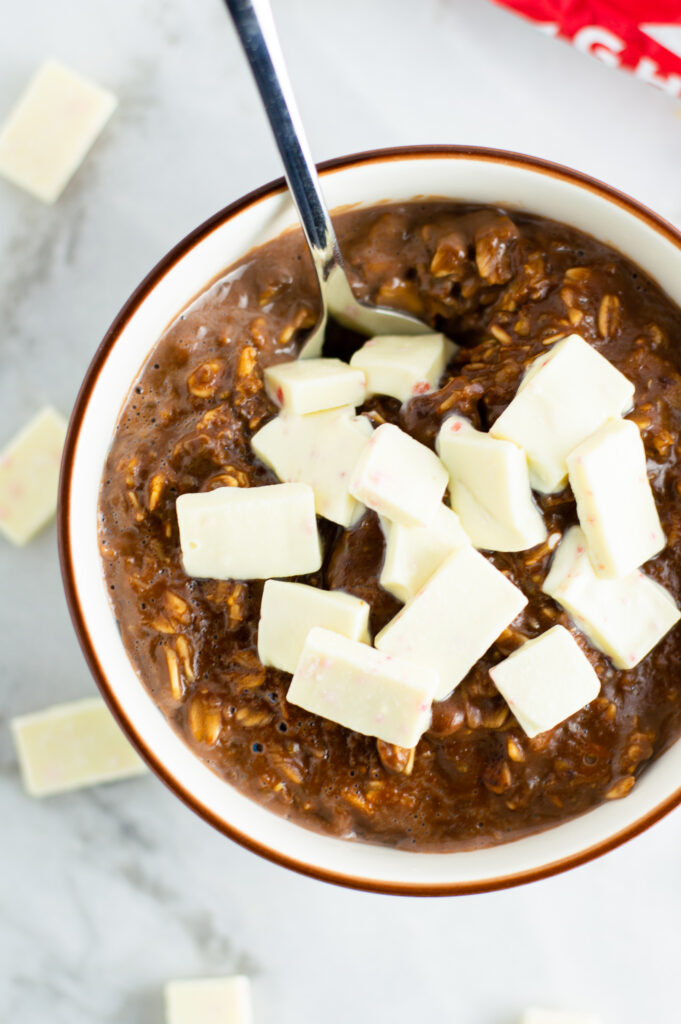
[(362, 689), (615, 503), (536, 1015), (321, 450), (247, 533), (565, 395), (29, 476), (51, 128), (69, 746), (403, 366), (209, 1001), (413, 553), (399, 478), (489, 488), (314, 385), (290, 610), (454, 618), (623, 618), (546, 680)]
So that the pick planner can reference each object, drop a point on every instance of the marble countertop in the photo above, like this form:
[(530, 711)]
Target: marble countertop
[(106, 893)]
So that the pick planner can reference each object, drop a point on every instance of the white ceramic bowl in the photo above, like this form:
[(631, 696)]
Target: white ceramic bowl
[(469, 175)]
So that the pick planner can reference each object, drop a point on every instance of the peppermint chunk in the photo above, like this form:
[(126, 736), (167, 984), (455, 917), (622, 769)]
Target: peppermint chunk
[(403, 366), (290, 610), (314, 385), (362, 689), (489, 488), (321, 450), (209, 1001), (615, 504), (399, 478), (623, 618), (564, 397), (72, 745), (29, 476), (535, 1015), (546, 680), (454, 618), (249, 532), (51, 129), (413, 553)]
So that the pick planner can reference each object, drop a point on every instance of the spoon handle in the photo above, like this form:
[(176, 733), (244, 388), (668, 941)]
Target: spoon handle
[(256, 30)]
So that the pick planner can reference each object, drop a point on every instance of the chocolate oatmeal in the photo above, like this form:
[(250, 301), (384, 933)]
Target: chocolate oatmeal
[(505, 287)]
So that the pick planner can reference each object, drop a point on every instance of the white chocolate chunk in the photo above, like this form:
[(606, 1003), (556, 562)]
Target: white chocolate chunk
[(565, 395), (403, 366), (29, 476), (314, 385), (413, 553), (536, 1015), (623, 618), (247, 533), (362, 689), (72, 745), (489, 488), (546, 680), (320, 450), (454, 618), (51, 129), (615, 503), (209, 1001), (290, 610), (399, 478)]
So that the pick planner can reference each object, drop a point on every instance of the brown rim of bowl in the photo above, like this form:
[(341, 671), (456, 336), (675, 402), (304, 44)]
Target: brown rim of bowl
[(79, 620)]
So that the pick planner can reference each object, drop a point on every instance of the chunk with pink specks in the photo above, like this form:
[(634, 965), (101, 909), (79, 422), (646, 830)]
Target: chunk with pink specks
[(564, 396), (209, 1001), (319, 449), (489, 488), (303, 386), (413, 553), (546, 680), (399, 478), (363, 689), (68, 746), (288, 611), (29, 476), (615, 503), (623, 618), (403, 366), (51, 129), (454, 618), (249, 532)]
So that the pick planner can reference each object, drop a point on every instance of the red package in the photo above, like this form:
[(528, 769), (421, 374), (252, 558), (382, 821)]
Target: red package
[(641, 35)]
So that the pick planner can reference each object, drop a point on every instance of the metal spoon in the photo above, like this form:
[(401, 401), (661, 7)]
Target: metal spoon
[(255, 27)]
